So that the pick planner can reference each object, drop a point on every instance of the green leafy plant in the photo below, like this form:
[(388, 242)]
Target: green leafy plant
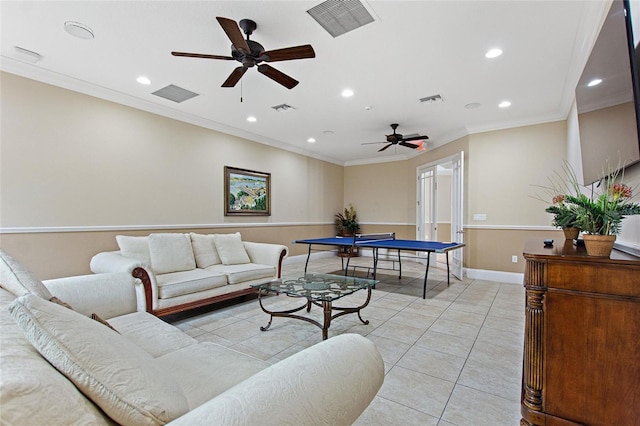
[(564, 215), (347, 222), (599, 213)]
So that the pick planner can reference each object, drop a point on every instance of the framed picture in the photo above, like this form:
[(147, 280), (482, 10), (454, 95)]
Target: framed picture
[(246, 192)]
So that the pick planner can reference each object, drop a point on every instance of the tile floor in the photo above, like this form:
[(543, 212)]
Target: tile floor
[(452, 359)]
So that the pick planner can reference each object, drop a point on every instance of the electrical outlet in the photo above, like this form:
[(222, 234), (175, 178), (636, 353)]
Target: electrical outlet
[(514, 258)]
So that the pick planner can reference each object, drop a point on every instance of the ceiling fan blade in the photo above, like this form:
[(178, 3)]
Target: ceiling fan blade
[(232, 30), (278, 76), (408, 145), (384, 147), (289, 53), (201, 55), (234, 77), (415, 138), (371, 143)]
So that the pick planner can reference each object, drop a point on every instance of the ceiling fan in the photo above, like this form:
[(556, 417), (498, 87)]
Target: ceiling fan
[(398, 139), (250, 53)]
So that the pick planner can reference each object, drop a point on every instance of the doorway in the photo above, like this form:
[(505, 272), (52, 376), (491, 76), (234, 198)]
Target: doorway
[(439, 204)]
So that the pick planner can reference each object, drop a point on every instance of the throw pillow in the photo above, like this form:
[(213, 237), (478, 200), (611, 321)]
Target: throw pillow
[(119, 377), (204, 250), (61, 302), (95, 317), (171, 253), (230, 249), (134, 247), (18, 280)]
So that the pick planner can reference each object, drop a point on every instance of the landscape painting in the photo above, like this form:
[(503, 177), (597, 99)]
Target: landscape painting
[(247, 192)]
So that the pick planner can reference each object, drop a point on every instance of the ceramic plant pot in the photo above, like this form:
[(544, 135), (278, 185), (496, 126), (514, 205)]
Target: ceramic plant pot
[(599, 245), (571, 233)]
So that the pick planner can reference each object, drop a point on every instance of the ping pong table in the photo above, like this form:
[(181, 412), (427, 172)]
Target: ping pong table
[(389, 242)]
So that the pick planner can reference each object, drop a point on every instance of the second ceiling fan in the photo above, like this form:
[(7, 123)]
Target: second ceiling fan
[(251, 53), (398, 139)]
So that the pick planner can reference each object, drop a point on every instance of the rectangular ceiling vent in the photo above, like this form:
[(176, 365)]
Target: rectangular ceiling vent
[(434, 98), (175, 93), (283, 108), (340, 16)]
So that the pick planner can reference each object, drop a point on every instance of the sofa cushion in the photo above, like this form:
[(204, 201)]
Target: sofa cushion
[(186, 282), (29, 383), (144, 329), (230, 249), (134, 247), (244, 272), (226, 365), (119, 377), (19, 280), (204, 250), (171, 253)]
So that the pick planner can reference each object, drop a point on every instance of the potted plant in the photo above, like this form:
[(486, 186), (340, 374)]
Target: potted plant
[(347, 222), (564, 217), (600, 216)]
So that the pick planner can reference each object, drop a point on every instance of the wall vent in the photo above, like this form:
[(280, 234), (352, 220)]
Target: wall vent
[(283, 107), (434, 98), (175, 93), (340, 16)]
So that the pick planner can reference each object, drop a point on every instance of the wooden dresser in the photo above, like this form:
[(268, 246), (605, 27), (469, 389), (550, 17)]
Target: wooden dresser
[(582, 337)]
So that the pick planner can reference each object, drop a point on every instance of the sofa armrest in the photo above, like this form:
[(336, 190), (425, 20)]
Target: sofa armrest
[(267, 254), (108, 295), (113, 261), (330, 383)]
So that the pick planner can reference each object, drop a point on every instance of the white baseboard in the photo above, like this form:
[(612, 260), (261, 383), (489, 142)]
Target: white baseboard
[(499, 276)]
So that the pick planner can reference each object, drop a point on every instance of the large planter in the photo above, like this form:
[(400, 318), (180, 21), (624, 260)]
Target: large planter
[(571, 233), (599, 245)]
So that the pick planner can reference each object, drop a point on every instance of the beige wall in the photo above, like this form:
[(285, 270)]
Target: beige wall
[(72, 160)]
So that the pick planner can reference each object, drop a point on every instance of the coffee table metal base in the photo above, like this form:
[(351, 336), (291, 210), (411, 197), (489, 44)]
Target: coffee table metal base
[(327, 309)]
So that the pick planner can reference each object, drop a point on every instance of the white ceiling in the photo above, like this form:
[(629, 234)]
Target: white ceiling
[(413, 49)]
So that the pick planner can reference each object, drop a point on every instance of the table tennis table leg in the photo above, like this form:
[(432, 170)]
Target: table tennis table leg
[(307, 262), (426, 274), (448, 276), (399, 265), (375, 261)]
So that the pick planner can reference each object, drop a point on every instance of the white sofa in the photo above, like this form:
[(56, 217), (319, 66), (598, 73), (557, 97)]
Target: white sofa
[(186, 271), (60, 367)]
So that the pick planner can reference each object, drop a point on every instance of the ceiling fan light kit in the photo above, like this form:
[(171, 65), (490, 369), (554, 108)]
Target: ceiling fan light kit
[(251, 54)]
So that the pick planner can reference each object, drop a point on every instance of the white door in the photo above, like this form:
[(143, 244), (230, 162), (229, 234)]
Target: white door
[(457, 231), (426, 227)]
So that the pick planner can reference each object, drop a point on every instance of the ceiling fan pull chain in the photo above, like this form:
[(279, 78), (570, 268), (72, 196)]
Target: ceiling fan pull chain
[(240, 91)]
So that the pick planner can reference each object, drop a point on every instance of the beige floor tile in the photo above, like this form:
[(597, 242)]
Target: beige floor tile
[(400, 332), (469, 407), (446, 343), (391, 350), (437, 364), (382, 412), (456, 328), (419, 391), (497, 377)]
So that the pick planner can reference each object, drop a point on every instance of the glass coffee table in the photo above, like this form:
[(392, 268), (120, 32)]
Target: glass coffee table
[(317, 289)]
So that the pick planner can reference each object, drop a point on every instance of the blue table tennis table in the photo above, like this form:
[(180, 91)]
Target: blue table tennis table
[(389, 242)]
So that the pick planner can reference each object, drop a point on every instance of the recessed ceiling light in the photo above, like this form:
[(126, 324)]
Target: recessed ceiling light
[(311, 140), (347, 93), (472, 105), (594, 82), (327, 132), (368, 108), (252, 119), (79, 30), (143, 80), (493, 53), (504, 104)]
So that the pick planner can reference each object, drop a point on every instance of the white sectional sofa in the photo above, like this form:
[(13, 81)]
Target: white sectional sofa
[(61, 367), (185, 271)]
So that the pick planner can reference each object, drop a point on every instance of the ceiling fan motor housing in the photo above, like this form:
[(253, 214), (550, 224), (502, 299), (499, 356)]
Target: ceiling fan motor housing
[(248, 60)]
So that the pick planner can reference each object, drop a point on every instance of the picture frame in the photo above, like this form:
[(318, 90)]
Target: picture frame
[(246, 192)]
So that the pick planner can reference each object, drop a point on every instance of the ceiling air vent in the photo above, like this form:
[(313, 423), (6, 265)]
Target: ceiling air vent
[(340, 16), (282, 107), (175, 93), (434, 98)]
